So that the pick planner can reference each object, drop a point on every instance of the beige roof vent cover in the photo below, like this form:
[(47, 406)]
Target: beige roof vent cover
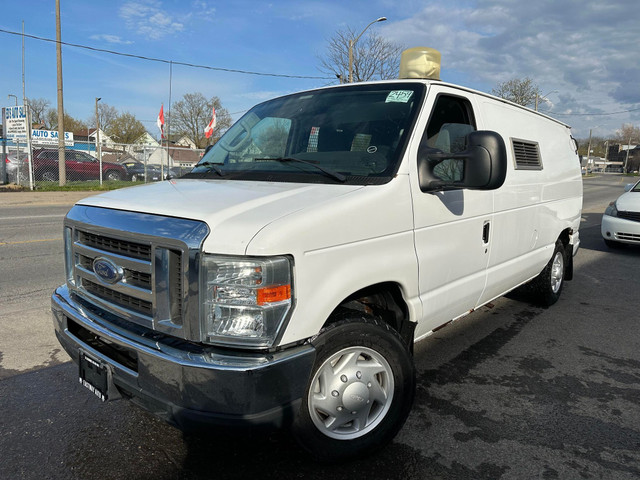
[(420, 62)]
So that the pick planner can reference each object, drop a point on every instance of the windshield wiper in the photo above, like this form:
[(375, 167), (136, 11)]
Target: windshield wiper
[(338, 176), (214, 167)]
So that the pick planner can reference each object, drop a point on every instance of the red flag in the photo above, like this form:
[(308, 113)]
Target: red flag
[(160, 121), (208, 131)]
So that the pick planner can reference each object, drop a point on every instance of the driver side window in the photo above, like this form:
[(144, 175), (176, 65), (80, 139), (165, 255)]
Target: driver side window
[(451, 121)]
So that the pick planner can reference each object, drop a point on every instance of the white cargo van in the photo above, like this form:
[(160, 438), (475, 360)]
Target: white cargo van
[(285, 280)]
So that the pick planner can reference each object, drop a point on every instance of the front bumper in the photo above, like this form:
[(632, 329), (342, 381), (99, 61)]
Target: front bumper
[(620, 230), (187, 385)]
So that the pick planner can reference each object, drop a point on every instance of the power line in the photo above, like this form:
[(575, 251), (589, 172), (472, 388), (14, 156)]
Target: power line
[(547, 112), (161, 60)]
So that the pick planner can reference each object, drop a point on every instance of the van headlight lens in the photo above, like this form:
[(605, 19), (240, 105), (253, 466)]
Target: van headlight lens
[(611, 210), (245, 300)]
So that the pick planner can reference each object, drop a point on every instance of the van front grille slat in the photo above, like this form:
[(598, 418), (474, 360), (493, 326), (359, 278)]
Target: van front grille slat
[(120, 299), (114, 245)]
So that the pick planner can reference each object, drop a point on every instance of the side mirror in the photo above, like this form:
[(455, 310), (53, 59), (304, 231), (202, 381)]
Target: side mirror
[(628, 187), (483, 164)]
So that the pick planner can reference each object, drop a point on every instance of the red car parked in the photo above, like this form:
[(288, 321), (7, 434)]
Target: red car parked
[(79, 166)]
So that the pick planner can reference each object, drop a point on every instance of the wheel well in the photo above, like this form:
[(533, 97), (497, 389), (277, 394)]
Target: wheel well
[(384, 301), (565, 238)]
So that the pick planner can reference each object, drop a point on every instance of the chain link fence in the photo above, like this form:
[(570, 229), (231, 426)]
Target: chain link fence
[(120, 165)]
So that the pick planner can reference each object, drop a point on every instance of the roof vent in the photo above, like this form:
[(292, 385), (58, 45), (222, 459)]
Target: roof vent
[(420, 62)]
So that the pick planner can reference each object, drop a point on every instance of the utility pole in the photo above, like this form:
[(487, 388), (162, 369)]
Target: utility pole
[(589, 151), (27, 108), (98, 144), (626, 160), (62, 167)]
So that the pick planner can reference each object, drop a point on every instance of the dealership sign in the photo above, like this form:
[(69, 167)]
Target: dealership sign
[(16, 122), (50, 137)]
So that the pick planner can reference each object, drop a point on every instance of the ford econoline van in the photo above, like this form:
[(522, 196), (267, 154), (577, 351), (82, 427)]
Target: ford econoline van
[(285, 279)]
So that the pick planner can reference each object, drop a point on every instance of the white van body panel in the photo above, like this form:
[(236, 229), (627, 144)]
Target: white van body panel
[(358, 240), (533, 206)]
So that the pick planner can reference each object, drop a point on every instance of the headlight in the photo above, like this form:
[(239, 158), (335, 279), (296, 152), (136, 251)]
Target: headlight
[(245, 300), (611, 210)]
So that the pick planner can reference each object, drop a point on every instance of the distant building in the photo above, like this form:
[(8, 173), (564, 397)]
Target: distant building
[(628, 155), (179, 156)]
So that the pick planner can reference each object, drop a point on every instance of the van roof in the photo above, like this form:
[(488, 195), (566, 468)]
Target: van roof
[(451, 85)]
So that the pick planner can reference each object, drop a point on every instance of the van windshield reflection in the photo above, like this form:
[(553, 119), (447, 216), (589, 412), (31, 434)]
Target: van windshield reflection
[(354, 134)]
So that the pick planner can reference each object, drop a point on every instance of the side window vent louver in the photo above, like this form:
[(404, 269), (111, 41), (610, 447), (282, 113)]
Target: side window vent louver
[(526, 154)]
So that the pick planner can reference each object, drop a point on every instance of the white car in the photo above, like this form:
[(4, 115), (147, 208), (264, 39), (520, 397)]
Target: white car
[(621, 219)]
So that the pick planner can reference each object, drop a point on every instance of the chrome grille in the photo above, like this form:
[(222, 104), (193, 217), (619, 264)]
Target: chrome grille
[(139, 268)]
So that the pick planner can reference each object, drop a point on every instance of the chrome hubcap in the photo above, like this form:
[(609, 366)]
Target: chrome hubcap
[(557, 272), (351, 393)]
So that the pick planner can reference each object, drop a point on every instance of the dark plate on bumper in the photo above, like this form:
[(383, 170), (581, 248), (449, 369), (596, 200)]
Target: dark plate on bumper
[(94, 375)]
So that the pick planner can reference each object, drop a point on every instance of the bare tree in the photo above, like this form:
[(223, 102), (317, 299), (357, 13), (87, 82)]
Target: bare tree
[(39, 108), (373, 57), (107, 115), (190, 115), (520, 91), (628, 133), (125, 128), (71, 124)]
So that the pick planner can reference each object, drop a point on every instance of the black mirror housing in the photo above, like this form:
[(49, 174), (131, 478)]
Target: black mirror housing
[(484, 160)]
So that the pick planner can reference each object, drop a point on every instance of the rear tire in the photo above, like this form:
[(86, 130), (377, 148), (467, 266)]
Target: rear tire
[(360, 392), (547, 286), (49, 176)]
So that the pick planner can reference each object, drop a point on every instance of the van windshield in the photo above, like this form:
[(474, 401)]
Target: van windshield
[(354, 135)]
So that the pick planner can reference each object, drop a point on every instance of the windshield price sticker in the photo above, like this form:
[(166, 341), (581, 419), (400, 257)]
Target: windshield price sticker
[(400, 96)]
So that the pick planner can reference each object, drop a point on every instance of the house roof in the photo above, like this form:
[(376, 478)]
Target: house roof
[(184, 155)]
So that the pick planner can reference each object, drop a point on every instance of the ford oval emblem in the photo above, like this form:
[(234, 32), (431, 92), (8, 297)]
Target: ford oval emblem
[(107, 271)]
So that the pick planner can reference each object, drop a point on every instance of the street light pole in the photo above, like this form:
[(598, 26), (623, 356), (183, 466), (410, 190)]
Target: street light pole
[(352, 44)]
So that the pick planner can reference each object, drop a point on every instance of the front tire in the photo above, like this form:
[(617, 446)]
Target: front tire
[(113, 176), (361, 390)]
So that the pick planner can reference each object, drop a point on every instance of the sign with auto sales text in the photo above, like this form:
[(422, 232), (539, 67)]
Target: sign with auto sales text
[(16, 122), (50, 137)]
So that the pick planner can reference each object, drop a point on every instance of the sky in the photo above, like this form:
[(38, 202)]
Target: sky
[(583, 54)]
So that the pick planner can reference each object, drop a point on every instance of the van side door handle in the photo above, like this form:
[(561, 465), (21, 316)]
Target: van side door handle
[(485, 232)]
